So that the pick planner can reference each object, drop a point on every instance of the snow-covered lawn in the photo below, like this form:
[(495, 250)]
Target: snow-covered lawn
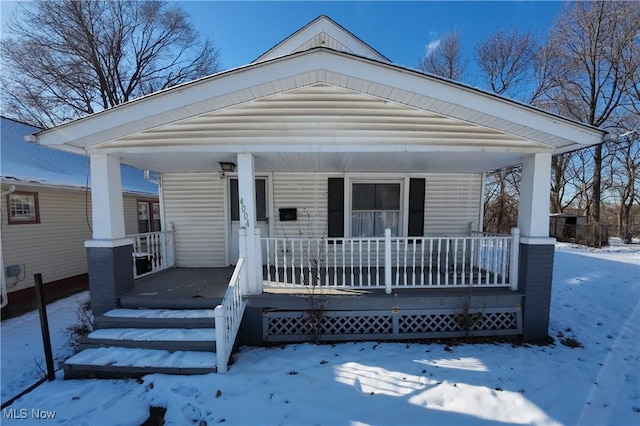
[(596, 300)]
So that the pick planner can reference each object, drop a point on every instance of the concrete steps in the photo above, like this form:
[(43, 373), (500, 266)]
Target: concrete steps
[(135, 342)]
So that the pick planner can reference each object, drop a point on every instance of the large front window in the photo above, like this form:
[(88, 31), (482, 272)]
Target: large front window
[(374, 207)]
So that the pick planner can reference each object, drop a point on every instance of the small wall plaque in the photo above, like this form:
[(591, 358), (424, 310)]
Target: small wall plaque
[(287, 215)]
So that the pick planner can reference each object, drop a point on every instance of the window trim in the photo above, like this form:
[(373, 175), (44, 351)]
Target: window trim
[(403, 214), (151, 216), (36, 203)]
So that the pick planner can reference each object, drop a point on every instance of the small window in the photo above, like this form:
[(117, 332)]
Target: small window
[(148, 217), (375, 206), (23, 208)]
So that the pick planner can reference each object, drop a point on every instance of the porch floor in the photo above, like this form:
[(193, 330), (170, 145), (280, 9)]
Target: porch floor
[(204, 288), (179, 288)]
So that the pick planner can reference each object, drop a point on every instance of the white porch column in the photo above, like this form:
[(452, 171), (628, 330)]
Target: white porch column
[(535, 257), (533, 210), (106, 198), (109, 253), (247, 211)]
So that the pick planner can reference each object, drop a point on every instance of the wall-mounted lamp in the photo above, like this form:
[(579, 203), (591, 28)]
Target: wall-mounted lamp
[(227, 168)]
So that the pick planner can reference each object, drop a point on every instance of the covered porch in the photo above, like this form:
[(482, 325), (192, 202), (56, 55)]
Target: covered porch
[(339, 185)]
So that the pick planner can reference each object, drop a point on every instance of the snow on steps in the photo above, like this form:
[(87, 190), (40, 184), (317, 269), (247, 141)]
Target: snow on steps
[(157, 318), (172, 339), (115, 362), (136, 342)]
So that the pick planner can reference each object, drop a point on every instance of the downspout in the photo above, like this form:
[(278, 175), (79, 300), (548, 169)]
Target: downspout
[(3, 279), (147, 177)]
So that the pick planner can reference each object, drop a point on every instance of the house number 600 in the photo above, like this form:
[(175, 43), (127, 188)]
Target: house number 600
[(245, 215)]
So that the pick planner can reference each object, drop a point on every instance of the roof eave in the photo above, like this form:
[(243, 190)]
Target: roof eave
[(63, 133)]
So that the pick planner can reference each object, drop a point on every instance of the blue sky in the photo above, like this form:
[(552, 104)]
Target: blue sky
[(401, 31)]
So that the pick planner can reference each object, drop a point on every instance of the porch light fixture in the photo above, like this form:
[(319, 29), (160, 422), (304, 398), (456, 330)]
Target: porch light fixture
[(226, 168)]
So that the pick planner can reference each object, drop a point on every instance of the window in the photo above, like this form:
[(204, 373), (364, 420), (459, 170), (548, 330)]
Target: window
[(148, 216), (261, 200), (374, 207), (23, 208)]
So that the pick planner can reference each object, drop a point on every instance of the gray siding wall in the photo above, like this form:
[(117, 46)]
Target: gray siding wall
[(55, 246), (194, 203)]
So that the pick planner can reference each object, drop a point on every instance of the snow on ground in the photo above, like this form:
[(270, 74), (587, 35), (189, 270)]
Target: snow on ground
[(22, 353), (595, 300)]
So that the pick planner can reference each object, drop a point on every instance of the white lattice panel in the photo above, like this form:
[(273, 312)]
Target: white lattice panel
[(363, 325)]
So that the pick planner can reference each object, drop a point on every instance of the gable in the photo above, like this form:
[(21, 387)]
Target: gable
[(322, 32), (321, 114)]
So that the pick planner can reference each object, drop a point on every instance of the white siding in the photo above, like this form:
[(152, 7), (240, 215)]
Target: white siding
[(194, 203), (452, 202), (308, 193), (55, 246)]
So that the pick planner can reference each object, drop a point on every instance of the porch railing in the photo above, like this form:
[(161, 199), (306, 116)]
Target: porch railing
[(153, 252), (479, 260), (228, 316)]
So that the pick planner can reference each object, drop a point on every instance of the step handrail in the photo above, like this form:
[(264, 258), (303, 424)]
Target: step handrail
[(228, 315)]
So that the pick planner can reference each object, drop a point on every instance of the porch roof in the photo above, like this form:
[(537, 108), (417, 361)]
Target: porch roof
[(323, 110)]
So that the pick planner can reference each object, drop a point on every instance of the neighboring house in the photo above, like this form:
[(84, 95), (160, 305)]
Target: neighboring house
[(46, 215), (321, 145)]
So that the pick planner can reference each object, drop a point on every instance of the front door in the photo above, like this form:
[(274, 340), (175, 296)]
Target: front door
[(262, 215)]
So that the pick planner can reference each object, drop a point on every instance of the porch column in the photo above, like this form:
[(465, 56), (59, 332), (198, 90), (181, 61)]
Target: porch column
[(247, 210), (535, 272), (109, 253)]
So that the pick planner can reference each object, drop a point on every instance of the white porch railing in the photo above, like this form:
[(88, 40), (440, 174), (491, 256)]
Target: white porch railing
[(153, 252), (479, 260), (228, 316), (229, 312)]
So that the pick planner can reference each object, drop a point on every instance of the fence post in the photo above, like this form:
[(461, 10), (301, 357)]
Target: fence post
[(513, 264), (258, 259), (221, 343), (387, 261), (44, 325)]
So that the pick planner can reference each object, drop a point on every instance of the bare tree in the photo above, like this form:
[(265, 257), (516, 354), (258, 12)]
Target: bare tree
[(595, 46), (445, 59), (502, 190), (65, 59), (507, 60)]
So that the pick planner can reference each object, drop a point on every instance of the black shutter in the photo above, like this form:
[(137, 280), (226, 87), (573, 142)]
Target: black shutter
[(416, 207), (335, 204)]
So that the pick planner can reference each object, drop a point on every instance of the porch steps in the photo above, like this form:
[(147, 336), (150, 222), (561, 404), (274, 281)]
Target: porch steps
[(156, 318), (135, 342), (149, 302), (171, 339), (117, 362)]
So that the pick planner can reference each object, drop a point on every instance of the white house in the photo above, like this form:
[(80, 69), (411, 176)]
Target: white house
[(357, 174), (46, 215)]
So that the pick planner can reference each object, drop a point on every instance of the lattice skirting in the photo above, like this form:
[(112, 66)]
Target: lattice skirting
[(279, 326)]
